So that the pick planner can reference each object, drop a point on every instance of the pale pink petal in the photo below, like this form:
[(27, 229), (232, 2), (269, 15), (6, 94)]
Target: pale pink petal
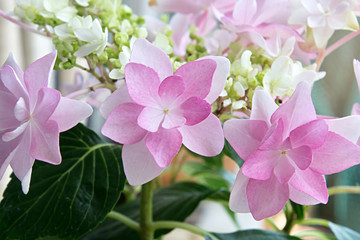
[(184, 6), (197, 77), (347, 127), (244, 11), (70, 112), (284, 170), (45, 142), (356, 64), (200, 140), (238, 201), (139, 165), (7, 106), (195, 110), (335, 155), (311, 183), (355, 109), (219, 79), (301, 198), (170, 89), (151, 56), (121, 125), (37, 75), (10, 83), (120, 96), (251, 131), (151, 118), (301, 156), (164, 145), (298, 110), (173, 119), (311, 134), (6, 153), (47, 101), (260, 164), (12, 63), (266, 198), (263, 106), (179, 24), (142, 83), (274, 138)]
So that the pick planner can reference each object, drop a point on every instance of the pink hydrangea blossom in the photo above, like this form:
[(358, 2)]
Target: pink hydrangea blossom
[(31, 117), (356, 107), (158, 110), (287, 151)]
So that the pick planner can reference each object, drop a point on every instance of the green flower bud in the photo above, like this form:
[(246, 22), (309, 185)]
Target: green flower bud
[(121, 38)]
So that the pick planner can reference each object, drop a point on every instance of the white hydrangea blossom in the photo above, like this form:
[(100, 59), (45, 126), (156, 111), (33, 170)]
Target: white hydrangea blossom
[(66, 31), (83, 3), (94, 36), (58, 8), (284, 75)]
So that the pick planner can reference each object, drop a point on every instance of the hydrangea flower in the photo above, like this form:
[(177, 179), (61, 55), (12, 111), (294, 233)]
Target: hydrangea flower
[(31, 117), (158, 110), (287, 152)]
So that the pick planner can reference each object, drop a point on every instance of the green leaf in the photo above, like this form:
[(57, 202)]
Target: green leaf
[(230, 152), (343, 233), (67, 200), (252, 235), (174, 203)]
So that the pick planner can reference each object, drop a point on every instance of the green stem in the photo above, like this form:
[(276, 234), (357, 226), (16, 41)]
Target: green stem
[(343, 189), (312, 233), (290, 217), (313, 221), (125, 220), (272, 224), (181, 225), (147, 231)]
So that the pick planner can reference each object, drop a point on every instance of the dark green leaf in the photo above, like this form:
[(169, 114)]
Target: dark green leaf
[(230, 152), (175, 203), (252, 235), (66, 200), (298, 209), (343, 233)]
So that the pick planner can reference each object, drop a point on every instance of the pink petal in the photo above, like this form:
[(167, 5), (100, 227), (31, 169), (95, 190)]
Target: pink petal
[(298, 110), (356, 64), (121, 125), (266, 198), (200, 140), (10, 83), (7, 106), (173, 119), (47, 101), (335, 155), (355, 109), (164, 145), (12, 63), (195, 110), (238, 199), (37, 75), (70, 112), (311, 183), (181, 36), (251, 131), (284, 170), (301, 197), (311, 134), (139, 165), (6, 153), (171, 88), (45, 142), (142, 83), (120, 96), (347, 127), (260, 164), (219, 79), (151, 118), (263, 106), (184, 6), (273, 139), (197, 77), (301, 156), (244, 11), (151, 56)]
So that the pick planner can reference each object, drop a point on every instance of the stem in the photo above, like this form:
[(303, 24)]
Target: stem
[(147, 232), (272, 224), (85, 91), (312, 233), (181, 225), (312, 221), (290, 217), (343, 189), (125, 220), (21, 24), (91, 71)]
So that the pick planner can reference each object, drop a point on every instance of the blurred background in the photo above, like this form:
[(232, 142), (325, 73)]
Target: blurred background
[(332, 96)]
